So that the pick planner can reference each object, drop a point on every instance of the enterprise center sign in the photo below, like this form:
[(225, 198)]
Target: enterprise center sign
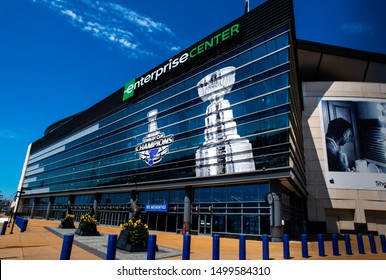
[(173, 63)]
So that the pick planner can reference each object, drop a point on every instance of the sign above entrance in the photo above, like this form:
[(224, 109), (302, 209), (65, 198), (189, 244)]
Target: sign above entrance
[(160, 208)]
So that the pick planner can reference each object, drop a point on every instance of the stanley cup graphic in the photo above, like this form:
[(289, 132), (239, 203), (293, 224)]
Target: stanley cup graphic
[(223, 151)]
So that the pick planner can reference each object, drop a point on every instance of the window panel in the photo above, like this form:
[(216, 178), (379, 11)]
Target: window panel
[(234, 193), (234, 223), (263, 190), (250, 193)]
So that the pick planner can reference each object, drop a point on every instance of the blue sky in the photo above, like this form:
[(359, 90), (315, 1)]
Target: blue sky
[(59, 57)]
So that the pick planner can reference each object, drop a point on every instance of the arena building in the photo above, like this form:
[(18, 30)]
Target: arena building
[(207, 140)]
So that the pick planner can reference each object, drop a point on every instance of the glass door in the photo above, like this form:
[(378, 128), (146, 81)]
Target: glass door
[(205, 224)]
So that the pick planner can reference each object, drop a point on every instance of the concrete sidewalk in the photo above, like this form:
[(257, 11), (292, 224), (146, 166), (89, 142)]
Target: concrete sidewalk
[(43, 241)]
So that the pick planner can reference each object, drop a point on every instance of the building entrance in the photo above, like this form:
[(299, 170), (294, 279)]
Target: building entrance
[(205, 224)]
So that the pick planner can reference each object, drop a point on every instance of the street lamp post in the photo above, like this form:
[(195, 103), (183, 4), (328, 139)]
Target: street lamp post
[(11, 212), (18, 198)]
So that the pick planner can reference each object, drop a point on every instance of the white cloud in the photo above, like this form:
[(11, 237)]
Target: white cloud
[(175, 48), (135, 34), (133, 17), (73, 15), (127, 44)]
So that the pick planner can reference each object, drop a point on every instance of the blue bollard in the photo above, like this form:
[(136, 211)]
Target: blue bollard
[(111, 247), (373, 247), (4, 228), (322, 252), (347, 242), (286, 247), (19, 222), (186, 247), (216, 247), (151, 246), (242, 247), (335, 245), (66, 246), (361, 247), (304, 246), (24, 223), (383, 243), (265, 246)]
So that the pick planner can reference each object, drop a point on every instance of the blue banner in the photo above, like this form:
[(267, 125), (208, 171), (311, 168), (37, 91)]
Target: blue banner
[(163, 208)]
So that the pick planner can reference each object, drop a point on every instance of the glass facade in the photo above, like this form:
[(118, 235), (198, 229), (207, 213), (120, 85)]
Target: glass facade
[(105, 153)]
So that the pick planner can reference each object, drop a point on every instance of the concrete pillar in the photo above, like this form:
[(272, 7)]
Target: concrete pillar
[(273, 199), (187, 210), (49, 206), (359, 216), (360, 224), (33, 209), (276, 217)]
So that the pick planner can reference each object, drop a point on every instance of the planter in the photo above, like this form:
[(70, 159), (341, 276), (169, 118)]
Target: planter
[(89, 230), (82, 232), (123, 243), (66, 226), (67, 222), (133, 248)]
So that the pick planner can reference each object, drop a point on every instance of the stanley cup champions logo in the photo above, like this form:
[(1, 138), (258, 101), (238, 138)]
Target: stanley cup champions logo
[(155, 145)]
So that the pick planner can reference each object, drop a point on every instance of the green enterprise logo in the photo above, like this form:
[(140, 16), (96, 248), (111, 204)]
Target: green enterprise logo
[(173, 63), (129, 90)]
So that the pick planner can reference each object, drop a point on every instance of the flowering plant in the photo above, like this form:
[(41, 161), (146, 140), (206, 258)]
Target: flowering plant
[(69, 218), (68, 221), (138, 232), (87, 223)]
